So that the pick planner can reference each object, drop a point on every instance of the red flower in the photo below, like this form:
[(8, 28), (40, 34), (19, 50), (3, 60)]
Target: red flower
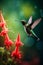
[(18, 43), (2, 19), (2, 24), (16, 53), (4, 31), (7, 42)]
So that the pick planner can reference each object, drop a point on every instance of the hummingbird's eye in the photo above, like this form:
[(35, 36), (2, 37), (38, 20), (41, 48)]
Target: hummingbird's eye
[(23, 22)]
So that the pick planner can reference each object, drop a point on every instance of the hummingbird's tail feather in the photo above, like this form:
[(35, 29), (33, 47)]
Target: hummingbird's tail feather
[(34, 35)]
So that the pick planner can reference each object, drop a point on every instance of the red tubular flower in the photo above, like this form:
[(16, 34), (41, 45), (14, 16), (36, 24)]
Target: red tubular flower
[(4, 31), (2, 24), (18, 43), (7, 42), (16, 54), (2, 19)]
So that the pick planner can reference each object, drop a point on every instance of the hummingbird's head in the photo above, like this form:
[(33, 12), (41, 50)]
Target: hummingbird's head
[(23, 22)]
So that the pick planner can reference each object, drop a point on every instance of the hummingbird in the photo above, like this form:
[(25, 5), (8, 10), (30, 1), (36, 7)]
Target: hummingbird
[(29, 26)]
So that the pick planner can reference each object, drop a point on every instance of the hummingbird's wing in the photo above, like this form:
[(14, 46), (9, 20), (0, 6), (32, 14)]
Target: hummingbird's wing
[(35, 23), (29, 21)]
